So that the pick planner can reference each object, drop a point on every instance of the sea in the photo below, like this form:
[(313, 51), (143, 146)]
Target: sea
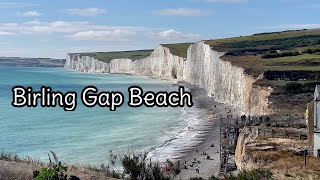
[(87, 135)]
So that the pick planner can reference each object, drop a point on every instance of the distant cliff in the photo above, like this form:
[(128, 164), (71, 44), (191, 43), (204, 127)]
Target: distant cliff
[(203, 66), (31, 62)]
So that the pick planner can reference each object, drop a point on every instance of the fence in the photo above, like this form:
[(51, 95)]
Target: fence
[(281, 133)]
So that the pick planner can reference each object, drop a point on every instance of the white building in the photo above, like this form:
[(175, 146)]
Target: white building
[(316, 138)]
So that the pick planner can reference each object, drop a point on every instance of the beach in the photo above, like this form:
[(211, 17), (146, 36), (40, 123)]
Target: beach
[(203, 155)]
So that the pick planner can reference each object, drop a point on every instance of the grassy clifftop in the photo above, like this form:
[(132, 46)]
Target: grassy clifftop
[(277, 51), (108, 56), (179, 49), (289, 61)]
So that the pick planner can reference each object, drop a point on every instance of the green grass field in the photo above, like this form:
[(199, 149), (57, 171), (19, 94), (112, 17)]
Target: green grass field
[(108, 56), (179, 49), (249, 52), (267, 36)]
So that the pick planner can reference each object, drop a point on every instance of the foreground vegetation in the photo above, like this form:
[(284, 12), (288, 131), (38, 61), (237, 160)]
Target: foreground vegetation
[(134, 166), (15, 167)]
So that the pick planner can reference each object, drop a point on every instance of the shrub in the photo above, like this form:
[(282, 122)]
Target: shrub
[(289, 53), (311, 50), (276, 54), (137, 167), (112, 160), (54, 171), (310, 86), (271, 55), (293, 88), (296, 87), (134, 165), (255, 174)]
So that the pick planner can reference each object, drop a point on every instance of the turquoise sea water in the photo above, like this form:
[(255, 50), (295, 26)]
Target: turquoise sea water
[(85, 135)]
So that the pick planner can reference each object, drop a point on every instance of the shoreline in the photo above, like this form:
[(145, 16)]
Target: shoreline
[(209, 134), (209, 146)]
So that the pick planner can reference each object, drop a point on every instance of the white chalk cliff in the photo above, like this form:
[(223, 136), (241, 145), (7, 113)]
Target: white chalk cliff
[(203, 66), (85, 64)]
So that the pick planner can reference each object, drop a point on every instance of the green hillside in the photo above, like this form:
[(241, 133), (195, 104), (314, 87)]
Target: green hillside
[(277, 51), (108, 56), (179, 49)]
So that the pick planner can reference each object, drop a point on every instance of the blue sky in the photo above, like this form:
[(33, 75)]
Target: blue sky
[(41, 29)]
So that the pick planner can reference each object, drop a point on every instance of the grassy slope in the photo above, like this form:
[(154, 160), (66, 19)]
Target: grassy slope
[(179, 49), (247, 51), (15, 167), (108, 56), (266, 36)]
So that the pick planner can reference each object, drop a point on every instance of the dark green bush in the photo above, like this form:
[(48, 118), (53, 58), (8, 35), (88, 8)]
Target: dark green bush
[(289, 53), (293, 88), (134, 165), (311, 50), (309, 87), (275, 54), (296, 87), (271, 55)]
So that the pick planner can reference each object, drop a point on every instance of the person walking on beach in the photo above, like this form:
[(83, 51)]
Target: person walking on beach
[(197, 169), (166, 170)]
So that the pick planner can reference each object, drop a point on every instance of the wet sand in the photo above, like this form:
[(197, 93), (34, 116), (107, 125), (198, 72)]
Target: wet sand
[(206, 154)]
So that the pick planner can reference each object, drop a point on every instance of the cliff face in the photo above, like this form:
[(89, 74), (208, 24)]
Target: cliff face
[(223, 81), (85, 64), (161, 63), (242, 159), (203, 66)]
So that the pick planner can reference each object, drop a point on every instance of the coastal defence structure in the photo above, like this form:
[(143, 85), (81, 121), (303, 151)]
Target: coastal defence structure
[(229, 132)]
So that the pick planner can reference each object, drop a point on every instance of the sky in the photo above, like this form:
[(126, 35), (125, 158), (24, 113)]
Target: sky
[(38, 28)]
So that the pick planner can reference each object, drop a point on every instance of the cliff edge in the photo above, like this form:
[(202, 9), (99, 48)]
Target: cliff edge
[(223, 81)]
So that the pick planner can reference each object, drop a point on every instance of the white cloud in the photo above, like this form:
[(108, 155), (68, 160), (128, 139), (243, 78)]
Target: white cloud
[(293, 26), (114, 35), (5, 33), (29, 14), (172, 35), (86, 11), (82, 30), (15, 5), (226, 1), (41, 27), (181, 12)]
